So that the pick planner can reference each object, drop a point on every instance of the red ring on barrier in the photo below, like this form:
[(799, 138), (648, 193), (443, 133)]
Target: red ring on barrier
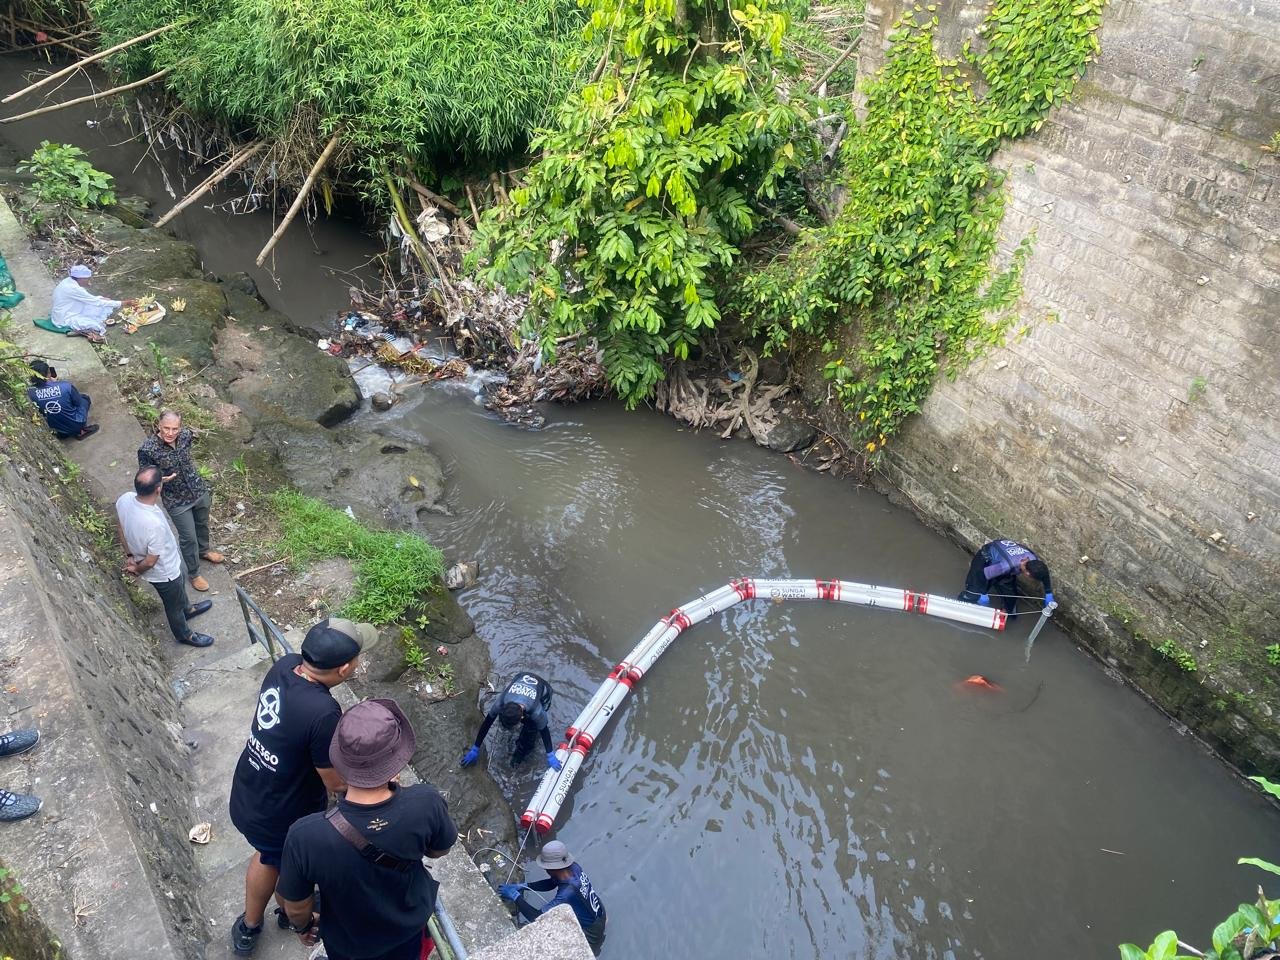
[(543, 824), (908, 600), (744, 587), (922, 603), (676, 618), (828, 589)]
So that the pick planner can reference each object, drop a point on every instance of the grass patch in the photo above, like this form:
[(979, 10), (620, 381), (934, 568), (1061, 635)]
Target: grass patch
[(393, 569)]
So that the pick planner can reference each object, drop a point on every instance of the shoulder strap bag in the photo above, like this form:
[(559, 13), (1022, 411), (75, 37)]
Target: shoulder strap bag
[(370, 851)]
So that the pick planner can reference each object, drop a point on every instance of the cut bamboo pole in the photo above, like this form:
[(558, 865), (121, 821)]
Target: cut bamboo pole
[(237, 160), (848, 52), (435, 198), (52, 41), (426, 256), (90, 98), (471, 202), (298, 201), (88, 60)]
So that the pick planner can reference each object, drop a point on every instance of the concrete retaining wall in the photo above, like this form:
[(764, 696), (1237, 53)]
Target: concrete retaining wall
[(1136, 423)]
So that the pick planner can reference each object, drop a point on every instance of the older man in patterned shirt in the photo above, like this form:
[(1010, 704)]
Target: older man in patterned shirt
[(186, 495)]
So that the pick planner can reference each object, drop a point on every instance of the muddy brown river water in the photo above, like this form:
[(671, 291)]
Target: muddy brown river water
[(799, 780)]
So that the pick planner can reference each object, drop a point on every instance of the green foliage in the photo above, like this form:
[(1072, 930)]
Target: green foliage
[(1273, 654), (63, 175), (1197, 389), (421, 78), (393, 569), (909, 258), (164, 366), (646, 182), (1171, 650)]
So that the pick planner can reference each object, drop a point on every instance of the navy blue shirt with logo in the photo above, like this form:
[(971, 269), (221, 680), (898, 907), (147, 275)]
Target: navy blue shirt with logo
[(577, 892), (65, 410), (275, 782), (531, 692)]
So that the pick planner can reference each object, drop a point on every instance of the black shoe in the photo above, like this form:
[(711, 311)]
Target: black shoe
[(198, 640), (18, 741), (204, 606), (244, 938), (89, 430), (18, 806)]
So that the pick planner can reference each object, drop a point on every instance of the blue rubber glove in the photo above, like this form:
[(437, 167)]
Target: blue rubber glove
[(1048, 599), (509, 891), (553, 761), (984, 600), (471, 756)]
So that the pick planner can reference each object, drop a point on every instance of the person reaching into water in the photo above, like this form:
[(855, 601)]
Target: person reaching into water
[(525, 701), (572, 887), (995, 569)]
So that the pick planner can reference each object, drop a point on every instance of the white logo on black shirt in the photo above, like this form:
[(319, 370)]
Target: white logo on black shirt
[(53, 406), (269, 708)]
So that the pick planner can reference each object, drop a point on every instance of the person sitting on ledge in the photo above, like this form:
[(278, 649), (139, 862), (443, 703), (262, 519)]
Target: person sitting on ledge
[(995, 569), (84, 313), (64, 408)]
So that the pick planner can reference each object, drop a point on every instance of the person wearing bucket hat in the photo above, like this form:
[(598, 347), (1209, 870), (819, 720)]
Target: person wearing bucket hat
[(572, 887), (365, 854), (285, 771)]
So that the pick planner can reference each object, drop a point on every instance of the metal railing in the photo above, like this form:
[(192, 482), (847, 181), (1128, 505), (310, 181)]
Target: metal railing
[(441, 927), (265, 631)]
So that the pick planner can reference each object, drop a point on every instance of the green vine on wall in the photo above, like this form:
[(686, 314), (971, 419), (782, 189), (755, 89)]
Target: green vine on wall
[(627, 223), (909, 259)]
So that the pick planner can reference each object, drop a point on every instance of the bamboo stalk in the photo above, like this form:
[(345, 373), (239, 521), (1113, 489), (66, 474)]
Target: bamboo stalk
[(236, 161), (88, 60), (435, 198), (420, 249), (300, 198), (93, 97), (52, 42), (848, 52), (471, 201), (498, 191)]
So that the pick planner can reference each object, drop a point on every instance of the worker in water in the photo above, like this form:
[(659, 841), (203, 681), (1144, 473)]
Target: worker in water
[(525, 701), (995, 569), (571, 885)]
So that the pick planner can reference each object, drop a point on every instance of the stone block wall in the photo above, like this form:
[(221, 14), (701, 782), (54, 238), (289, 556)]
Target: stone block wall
[(106, 862), (1138, 421)]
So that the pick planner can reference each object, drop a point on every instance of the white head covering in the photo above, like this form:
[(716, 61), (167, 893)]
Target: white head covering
[(81, 272)]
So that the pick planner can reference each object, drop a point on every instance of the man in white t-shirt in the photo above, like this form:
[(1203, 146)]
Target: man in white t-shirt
[(151, 552)]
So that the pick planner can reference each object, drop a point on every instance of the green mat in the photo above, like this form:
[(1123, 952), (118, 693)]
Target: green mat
[(9, 295), (44, 323)]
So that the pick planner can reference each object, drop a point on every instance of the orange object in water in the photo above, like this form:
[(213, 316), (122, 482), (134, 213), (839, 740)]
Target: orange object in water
[(980, 682)]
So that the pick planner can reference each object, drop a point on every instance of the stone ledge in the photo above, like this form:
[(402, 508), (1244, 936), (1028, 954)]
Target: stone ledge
[(555, 936)]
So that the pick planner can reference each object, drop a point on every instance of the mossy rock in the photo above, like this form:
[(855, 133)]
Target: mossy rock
[(185, 338)]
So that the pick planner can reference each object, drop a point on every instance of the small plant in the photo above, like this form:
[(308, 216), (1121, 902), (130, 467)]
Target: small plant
[(1197, 388), (413, 653), (11, 891), (63, 175), (1274, 145), (164, 366), (1273, 654), (1170, 650)]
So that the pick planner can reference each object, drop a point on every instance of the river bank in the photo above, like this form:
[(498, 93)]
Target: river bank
[(269, 411)]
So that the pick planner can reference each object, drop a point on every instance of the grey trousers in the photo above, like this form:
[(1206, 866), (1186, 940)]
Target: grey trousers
[(173, 595), (192, 525)]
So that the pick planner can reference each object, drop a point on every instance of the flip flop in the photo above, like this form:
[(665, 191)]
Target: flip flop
[(89, 430)]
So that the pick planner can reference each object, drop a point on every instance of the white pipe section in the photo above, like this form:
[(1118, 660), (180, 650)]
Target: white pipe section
[(572, 752)]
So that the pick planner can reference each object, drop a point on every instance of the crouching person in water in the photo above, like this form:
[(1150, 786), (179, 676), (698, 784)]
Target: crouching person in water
[(571, 885), (525, 701), (995, 569)]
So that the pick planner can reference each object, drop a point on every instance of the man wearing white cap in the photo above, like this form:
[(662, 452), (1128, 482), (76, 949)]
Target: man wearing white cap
[(572, 887), (83, 312)]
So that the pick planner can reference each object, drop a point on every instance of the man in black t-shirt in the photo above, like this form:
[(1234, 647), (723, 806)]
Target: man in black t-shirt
[(366, 854), (284, 772)]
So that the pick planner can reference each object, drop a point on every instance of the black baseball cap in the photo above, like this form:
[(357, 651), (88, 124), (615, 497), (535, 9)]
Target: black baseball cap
[(333, 642)]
